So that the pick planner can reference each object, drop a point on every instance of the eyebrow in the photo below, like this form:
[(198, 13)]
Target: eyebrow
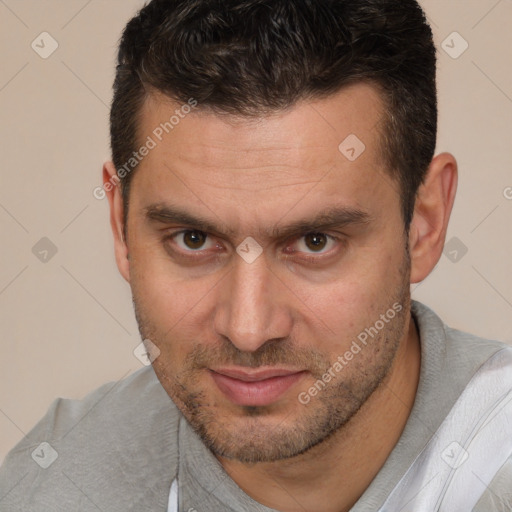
[(333, 217)]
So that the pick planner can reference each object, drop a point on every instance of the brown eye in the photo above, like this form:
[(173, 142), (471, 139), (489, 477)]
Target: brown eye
[(194, 239), (192, 243), (315, 241)]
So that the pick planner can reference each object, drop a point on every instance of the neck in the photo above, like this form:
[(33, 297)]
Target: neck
[(336, 473)]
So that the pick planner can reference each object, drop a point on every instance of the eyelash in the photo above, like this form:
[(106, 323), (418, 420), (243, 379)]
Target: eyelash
[(191, 254), (308, 257)]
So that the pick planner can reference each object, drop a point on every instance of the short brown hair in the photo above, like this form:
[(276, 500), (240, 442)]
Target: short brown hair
[(251, 57)]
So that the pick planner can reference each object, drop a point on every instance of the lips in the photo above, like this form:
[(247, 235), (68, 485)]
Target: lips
[(255, 387)]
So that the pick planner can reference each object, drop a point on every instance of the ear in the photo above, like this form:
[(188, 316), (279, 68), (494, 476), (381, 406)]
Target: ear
[(432, 211), (111, 185)]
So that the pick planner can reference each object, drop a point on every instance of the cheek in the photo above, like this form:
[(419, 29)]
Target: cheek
[(171, 312), (346, 306), (173, 316), (156, 282)]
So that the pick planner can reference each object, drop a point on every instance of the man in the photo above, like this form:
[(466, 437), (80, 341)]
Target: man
[(273, 194)]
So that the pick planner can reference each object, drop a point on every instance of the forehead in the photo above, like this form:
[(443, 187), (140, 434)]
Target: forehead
[(326, 150), (354, 110)]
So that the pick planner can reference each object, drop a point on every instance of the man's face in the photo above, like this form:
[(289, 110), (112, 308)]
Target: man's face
[(244, 336)]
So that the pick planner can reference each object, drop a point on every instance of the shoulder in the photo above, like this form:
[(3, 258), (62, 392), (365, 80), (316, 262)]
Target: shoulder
[(497, 496), (456, 363), (459, 353), (97, 448), (476, 373)]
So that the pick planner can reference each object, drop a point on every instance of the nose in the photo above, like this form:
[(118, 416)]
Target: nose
[(252, 309)]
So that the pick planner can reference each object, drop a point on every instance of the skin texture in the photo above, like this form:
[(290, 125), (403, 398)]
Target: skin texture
[(297, 306)]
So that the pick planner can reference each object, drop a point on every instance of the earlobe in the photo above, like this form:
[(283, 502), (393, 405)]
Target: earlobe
[(111, 185), (432, 211)]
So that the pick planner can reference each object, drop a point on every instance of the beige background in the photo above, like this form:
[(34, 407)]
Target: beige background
[(67, 324)]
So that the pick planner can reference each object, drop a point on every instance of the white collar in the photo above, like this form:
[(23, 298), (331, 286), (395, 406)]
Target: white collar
[(173, 497)]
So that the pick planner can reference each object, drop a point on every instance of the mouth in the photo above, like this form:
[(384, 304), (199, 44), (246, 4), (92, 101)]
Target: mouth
[(255, 387)]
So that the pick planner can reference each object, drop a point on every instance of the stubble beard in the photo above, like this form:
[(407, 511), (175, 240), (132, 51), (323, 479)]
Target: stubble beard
[(251, 435)]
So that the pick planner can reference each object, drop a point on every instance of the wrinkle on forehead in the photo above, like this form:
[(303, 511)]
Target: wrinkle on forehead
[(266, 166)]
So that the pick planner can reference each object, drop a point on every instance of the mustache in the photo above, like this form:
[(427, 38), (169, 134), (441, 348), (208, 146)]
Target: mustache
[(272, 353)]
